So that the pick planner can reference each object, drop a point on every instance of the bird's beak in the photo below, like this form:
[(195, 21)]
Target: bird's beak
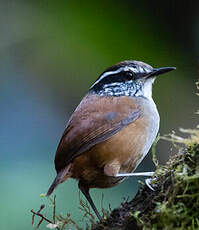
[(159, 71)]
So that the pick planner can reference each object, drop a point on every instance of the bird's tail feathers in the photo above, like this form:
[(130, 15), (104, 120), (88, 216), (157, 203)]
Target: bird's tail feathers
[(61, 177)]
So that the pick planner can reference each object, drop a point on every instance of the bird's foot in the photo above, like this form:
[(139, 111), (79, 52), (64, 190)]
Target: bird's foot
[(147, 181)]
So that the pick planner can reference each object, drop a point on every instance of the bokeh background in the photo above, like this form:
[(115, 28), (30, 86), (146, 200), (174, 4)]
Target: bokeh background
[(50, 53)]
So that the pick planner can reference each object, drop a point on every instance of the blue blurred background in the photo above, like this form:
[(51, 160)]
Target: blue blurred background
[(50, 53)]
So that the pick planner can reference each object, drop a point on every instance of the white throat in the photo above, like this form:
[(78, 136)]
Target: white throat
[(147, 88)]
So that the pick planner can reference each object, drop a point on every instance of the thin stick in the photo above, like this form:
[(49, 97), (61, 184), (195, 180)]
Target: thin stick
[(54, 209), (44, 218)]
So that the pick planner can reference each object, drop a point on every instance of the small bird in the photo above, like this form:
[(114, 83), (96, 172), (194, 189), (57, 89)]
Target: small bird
[(111, 130)]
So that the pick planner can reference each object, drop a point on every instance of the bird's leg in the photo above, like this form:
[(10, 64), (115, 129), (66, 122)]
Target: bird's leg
[(147, 181), (135, 174), (85, 190)]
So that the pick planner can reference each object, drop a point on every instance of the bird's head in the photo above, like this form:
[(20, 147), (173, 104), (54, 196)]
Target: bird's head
[(128, 78)]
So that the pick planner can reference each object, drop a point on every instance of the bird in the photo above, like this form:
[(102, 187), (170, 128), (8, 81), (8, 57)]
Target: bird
[(111, 130)]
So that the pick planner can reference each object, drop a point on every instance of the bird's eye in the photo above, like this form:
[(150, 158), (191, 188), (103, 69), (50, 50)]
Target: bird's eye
[(129, 75)]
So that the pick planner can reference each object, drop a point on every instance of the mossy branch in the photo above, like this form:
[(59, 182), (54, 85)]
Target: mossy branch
[(173, 205)]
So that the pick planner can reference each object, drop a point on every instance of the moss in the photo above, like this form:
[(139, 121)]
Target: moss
[(177, 206), (175, 202)]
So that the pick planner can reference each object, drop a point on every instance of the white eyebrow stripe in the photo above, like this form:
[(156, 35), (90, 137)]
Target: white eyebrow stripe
[(125, 68)]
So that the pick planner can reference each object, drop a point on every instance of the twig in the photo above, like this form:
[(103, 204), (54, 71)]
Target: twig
[(40, 215), (54, 209), (33, 216), (43, 217)]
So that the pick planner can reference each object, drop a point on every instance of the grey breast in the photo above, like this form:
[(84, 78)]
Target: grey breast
[(151, 115)]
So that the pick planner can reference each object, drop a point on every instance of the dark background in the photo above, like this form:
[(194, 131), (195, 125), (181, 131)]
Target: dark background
[(50, 53)]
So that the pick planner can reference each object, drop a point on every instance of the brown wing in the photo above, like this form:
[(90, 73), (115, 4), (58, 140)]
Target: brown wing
[(95, 120)]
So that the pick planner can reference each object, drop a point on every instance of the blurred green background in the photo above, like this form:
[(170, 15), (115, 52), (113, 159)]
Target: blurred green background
[(50, 53)]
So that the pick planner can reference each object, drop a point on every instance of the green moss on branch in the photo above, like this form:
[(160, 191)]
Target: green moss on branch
[(175, 202)]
